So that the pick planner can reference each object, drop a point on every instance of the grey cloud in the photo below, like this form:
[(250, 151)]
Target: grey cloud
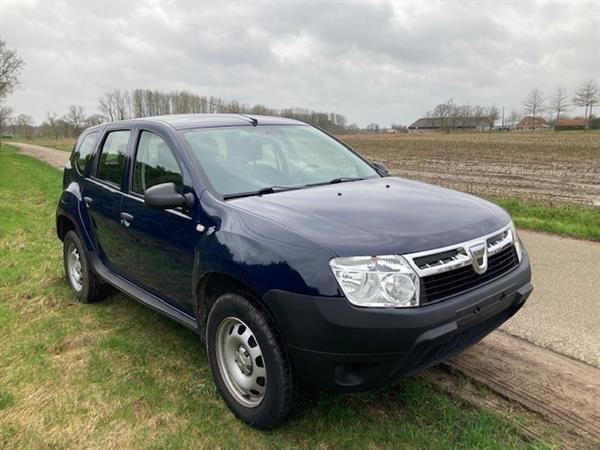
[(383, 62)]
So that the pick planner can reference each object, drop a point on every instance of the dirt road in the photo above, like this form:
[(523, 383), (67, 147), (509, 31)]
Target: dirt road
[(56, 158)]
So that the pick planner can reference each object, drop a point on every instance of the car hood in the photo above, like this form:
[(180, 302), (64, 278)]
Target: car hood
[(378, 216)]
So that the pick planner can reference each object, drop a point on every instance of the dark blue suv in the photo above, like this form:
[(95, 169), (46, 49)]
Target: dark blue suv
[(297, 262)]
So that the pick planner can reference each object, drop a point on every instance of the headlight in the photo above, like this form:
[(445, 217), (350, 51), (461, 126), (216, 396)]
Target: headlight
[(517, 242), (377, 280)]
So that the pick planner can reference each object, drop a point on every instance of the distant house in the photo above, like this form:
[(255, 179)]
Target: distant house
[(532, 123), (570, 124), (433, 124)]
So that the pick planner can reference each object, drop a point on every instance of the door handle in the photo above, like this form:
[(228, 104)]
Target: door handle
[(88, 201), (126, 219)]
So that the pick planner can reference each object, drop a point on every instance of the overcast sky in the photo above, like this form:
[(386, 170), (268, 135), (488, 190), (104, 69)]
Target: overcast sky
[(373, 62)]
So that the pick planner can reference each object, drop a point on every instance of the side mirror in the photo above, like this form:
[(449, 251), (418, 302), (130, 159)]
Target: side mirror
[(381, 169), (164, 196)]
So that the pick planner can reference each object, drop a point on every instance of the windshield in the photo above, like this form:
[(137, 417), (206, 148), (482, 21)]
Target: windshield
[(239, 160)]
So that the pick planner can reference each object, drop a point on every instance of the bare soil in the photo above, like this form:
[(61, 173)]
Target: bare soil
[(549, 167), (563, 391)]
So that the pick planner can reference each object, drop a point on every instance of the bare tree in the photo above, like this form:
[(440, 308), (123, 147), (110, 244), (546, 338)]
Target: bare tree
[(492, 114), (444, 112), (373, 128), (534, 103), (587, 96), (5, 118), (53, 121), (115, 105), (11, 65), (559, 103), (94, 119), (478, 114), (106, 107), (24, 125), (75, 117)]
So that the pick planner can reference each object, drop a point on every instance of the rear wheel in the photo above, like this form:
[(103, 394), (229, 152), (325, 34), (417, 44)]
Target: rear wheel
[(249, 362), (87, 285)]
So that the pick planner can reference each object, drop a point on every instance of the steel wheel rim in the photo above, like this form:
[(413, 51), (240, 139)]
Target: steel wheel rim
[(241, 362), (74, 267)]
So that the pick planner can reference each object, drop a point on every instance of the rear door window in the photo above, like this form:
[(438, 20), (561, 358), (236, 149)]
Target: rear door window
[(112, 157), (85, 150)]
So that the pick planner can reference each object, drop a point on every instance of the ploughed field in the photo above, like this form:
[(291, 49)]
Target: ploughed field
[(548, 167)]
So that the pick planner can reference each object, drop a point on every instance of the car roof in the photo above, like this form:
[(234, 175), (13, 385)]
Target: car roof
[(186, 121)]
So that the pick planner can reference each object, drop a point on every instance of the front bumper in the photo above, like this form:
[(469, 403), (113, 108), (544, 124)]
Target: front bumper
[(337, 346)]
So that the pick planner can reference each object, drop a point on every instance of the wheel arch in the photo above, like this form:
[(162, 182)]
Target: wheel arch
[(214, 284), (64, 224)]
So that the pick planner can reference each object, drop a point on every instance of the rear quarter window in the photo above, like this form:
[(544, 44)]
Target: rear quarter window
[(85, 150)]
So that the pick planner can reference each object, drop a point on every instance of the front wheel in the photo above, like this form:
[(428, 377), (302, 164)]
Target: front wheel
[(249, 362)]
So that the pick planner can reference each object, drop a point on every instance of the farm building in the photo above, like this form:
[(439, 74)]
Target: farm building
[(570, 124), (532, 123), (433, 124)]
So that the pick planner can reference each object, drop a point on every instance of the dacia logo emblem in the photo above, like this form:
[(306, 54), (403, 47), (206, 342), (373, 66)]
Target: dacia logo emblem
[(479, 256)]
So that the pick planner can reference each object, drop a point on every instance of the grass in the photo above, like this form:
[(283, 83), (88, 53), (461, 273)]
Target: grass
[(116, 374), (567, 220), (62, 143)]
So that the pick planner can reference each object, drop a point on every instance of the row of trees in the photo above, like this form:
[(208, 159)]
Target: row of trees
[(69, 124), (122, 104), (586, 96)]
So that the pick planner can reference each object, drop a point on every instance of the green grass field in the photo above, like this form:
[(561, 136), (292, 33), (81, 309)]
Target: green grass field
[(118, 375), (567, 220)]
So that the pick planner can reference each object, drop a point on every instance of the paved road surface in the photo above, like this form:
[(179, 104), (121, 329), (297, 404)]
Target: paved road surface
[(562, 314)]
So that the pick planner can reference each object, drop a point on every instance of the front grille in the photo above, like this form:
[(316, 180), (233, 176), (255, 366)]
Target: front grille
[(446, 284)]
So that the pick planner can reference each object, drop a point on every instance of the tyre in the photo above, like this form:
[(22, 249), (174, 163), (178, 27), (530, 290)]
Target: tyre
[(249, 362), (88, 287)]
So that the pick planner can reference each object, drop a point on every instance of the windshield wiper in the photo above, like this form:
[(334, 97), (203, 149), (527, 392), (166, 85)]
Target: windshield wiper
[(335, 181), (261, 191)]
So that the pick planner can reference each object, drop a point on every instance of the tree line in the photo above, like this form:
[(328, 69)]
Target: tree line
[(587, 95), (122, 104)]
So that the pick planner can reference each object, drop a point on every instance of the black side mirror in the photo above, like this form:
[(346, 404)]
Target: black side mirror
[(164, 196), (381, 169)]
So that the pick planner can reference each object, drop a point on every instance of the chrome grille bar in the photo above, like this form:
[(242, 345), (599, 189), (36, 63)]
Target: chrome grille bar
[(495, 242)]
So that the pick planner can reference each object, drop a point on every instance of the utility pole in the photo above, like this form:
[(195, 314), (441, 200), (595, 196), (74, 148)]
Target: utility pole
[(503, 118)]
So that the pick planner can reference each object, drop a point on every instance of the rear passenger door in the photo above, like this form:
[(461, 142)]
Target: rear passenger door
[(102, 195), (161, 243)]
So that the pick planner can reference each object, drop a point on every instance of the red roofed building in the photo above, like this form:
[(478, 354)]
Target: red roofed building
[(570, 124), (532, 123)]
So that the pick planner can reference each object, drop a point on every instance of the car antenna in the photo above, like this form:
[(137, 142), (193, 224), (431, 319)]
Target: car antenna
[(252, 120)]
